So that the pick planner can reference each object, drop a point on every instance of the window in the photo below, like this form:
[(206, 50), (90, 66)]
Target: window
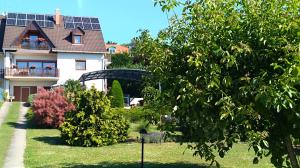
[(112, 50), (77, 39), (33, 41), (80, 65), (21, 64)]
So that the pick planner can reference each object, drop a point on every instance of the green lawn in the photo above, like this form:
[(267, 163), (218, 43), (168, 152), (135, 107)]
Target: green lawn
[(45, 149), (7, 130)]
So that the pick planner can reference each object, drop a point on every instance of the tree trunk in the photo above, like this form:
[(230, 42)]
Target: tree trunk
[(291, 153)]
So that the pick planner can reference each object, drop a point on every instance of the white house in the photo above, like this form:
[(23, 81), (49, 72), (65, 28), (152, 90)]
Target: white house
[(38, 50)]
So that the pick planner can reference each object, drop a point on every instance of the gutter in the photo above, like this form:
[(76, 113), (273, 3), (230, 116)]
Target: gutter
[(69, 51)]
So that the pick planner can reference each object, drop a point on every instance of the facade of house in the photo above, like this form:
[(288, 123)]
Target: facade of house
[(38, 50), (114, 48)]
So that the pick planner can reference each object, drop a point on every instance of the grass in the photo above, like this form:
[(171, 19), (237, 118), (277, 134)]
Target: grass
[(45, 149), (7, 130)]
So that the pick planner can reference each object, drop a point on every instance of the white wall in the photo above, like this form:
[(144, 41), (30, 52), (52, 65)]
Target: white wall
[(67, 70), (7, 59)]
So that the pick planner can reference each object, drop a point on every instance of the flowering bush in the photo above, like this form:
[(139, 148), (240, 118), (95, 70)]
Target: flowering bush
[(49, 108)]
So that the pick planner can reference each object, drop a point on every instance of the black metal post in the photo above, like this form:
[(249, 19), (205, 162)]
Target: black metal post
[(142, 163)]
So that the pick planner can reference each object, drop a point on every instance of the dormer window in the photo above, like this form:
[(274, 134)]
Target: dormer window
[(77, 39), (33, 38), (77, 36)]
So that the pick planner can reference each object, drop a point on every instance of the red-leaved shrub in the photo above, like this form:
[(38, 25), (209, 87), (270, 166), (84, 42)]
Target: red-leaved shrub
[(49, 108)]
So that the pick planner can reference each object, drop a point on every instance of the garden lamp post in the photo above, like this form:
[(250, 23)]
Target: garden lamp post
[(143, 131)]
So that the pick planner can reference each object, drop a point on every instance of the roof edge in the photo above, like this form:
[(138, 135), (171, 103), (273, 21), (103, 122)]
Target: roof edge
[(86, 52)]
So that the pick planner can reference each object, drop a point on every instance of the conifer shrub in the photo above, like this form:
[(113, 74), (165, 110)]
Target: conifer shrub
[(93, 123), (116, 95), (49, 108)]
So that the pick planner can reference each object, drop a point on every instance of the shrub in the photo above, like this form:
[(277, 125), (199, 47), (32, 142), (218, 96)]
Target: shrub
[(116, 94), (133, 115), (72, 88), (5, 95), (49, 108), (31, 98), (92, 123)]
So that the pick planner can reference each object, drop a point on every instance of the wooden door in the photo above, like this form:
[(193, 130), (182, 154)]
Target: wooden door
[(17, 93), (25, 91)]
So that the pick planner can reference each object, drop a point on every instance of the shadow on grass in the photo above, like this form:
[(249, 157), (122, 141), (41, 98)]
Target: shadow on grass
[(17, 125), (56, 140), (132, 165)]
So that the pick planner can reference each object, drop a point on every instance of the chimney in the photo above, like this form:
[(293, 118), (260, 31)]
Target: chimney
[(57, 16)]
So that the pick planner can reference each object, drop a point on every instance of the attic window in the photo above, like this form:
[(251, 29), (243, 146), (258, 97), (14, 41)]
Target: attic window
[(77, 39)]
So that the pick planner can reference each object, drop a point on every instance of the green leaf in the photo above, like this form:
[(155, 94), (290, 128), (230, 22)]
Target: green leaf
[(255, 160)]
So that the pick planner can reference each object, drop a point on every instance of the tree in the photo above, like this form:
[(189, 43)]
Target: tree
[(121, 60), (233, 68), (141, 49), (116, 94)]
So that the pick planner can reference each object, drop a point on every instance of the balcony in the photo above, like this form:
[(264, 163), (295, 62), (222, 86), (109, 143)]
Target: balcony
[(34, 45), (31, 73)]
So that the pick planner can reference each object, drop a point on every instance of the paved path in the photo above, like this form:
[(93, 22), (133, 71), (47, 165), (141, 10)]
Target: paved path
[(4, 111), (14, 157)]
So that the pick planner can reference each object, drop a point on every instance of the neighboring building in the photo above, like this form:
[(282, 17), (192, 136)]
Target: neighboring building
[(45, 50), (114, 48)]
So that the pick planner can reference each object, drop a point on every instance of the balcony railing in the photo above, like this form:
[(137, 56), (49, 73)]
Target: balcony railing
[(35, 45), (30, 72)]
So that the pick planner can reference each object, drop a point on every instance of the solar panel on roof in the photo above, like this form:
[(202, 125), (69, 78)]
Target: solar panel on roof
[(21, 22), (85, 23), (40, 17), (11, 22), (41, 23), (77, 19), (12, 15), (96, 26), (86, 20), (22, 19), (94, 20), (69, 25), (30, 17), (68, 19), (78, 25), (49, 24), (87, 26), (21, 16), (49, 18)]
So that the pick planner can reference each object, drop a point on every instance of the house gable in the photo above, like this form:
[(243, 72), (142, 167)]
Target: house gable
[(33, 29)]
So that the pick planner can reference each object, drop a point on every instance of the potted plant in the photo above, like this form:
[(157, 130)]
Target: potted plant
[(32, 67), (41, 39), (49, 67)]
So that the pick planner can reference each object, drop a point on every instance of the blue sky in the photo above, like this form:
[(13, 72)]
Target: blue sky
[(120, 19)]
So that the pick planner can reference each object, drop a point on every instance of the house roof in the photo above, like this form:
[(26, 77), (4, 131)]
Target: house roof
[(119, 48), (59, 36), (2, 28)]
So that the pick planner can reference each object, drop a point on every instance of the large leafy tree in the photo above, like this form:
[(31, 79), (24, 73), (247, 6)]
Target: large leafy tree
[(233, 68)]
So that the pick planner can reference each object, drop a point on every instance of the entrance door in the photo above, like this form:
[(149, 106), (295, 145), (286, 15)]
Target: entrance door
[(25, 91)]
